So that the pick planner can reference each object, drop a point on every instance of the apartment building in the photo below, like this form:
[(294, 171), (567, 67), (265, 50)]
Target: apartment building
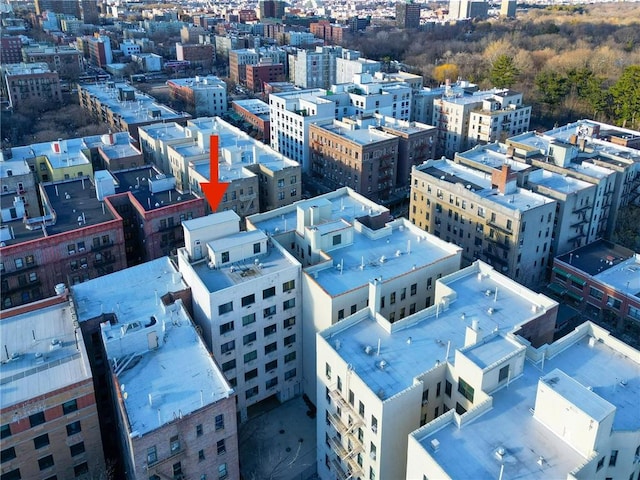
[(247, 300), (407, 14), (603, 280), (264, 72), (563, 410), (197, 54), (342, 240), (314, 68), (256, 113), (67, 61), (10, 49), (19, 195), (364, 159), (240, 59), (77, 237), (206, 95), (331, 33), (49, 418), (125, 108), (379, 381), (24, 83), (577, 212), (114, 151), (465, 120), (350, 64), (489, 216), (566, 158), (156, 137), (422, 99), (172, 413), (291, 113)]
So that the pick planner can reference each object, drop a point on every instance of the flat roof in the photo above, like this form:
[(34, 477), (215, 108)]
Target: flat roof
[(430, 330), (132, 111), (255, 107), (61, 153), (236, 273), (129, 292), (597, 369), (557, 182), (165, 131), (137, 180), (491, 350), (404, 249), (180, 375), (597, 257), (17, 167), (45, 354), (493, 155), (25, 68), (364, 136), (480, 183)]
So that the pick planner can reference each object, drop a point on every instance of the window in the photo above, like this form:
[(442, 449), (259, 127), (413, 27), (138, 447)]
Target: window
[(225, 308), (595, 293), (36, 419), (341, 314), (438, 389), (374, 451), (352, 397), (272, 365), (224, 257), (361, 409), (219, 422), (374, 424), (41, 441), (289, 322), (613, 458), (288, 375), (287, 304), (256, 248), (600, 464), (272, 347), (220, 447), (76, 449), (248, 300), (504, 373), (269, 311), (447, 388), (425, 397), (250, 356), (177, 470), (248, 338), (5, 431), (248, 319), (252, 392), (174, 444), (287, 286), (230, 365), (327, 371), (251, 374), (200, 455), (7, 454), (46, 462), (268, 292), (228, 347), (337, 239), (465, 389), (392, 298), (271, 383), (226, 328), (290, 340), (222, 471), (199, 430), (269, 330), (614, 303), (289, 357)]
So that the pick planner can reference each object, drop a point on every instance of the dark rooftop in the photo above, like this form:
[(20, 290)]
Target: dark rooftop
[(448, 177), (596, 257), (136, 181)]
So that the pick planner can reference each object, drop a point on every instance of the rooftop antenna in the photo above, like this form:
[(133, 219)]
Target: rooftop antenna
[(408, 247), (378, 351), (495, 296)]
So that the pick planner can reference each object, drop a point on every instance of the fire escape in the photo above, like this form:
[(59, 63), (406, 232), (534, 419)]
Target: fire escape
[(580, 222), (344, 442), (385, 175)]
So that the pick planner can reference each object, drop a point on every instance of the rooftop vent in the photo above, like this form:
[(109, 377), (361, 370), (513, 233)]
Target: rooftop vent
[(368, 349), (435, 444), (382, 364), (490, 310), (500, 452)]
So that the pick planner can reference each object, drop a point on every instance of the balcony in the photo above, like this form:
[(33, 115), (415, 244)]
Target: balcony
[(584, 208), (102, 246), (336, 467), (498, 242), (579, 223), (104, 261), (495, 257)]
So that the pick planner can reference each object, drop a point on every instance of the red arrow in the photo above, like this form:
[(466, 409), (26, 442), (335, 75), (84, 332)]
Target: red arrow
[(213, 190)]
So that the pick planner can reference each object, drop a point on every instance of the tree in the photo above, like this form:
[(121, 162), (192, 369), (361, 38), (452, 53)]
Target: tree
[(552, 87), (626, 97), (445, 71), (504, 72)]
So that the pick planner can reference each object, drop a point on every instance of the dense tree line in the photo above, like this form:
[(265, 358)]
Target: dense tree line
[(570, 63)]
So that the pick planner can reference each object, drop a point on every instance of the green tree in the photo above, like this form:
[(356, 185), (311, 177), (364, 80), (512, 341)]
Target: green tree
[(626, 97), (552, 87), (504, 72)]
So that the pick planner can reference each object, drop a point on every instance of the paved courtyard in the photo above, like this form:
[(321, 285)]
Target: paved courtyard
[(279, 444)]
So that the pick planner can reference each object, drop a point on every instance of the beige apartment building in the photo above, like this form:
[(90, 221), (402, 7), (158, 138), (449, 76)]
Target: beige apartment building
[(487, 215)]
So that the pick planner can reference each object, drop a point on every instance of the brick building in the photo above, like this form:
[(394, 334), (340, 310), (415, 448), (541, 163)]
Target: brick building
[(10, 50), (265, 72), (49, 417), (30, 82), (200, 54), (66, 61), (256, 113)]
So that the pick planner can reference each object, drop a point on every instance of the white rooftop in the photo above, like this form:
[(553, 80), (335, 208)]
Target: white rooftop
[(361, 136), (589, 375), (179, 375), (480, 184), (61, 153), (493, 155), (44, 354), (17, 167), (624, 277), (413, 345), (557, 182)]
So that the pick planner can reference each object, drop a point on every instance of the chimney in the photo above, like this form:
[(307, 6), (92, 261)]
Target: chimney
[(573, 139), (504, 180)]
